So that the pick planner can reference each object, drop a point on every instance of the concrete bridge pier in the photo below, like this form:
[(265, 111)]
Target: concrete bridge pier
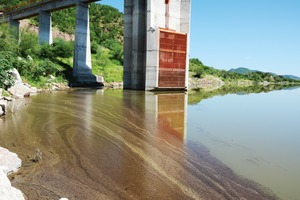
[(82, 66), (134, 44), (15, 25), (45, 28), (156, 44)]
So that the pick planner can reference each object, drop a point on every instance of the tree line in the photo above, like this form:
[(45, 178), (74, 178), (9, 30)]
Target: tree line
[(200, 70)]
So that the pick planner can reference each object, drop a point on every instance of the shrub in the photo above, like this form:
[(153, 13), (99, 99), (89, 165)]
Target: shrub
[(45, 51), (28, 44), (6, 65), (62, 48)]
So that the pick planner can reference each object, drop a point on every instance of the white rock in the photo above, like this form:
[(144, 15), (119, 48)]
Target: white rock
[(29, 58), (7, 192), (19, 90), (1, 111), (3, 104), (9, 162), (16, 75)]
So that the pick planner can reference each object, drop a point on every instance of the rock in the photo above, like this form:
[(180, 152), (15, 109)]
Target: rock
[(3, 104), (1, 111), (16, 75), (7, 98), (38, 155), (7, 192), (100, 79), (29, 58), (20, 90), (9, 162)]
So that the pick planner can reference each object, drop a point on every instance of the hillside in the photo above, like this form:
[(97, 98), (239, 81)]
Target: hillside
[(241, 70), (39, 64), (240, 76)]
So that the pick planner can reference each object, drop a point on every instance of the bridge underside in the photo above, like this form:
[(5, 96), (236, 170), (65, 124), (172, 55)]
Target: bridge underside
[(156, 40)]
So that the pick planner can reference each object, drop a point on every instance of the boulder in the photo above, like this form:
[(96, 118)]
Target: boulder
[(3, 104), (7, 192), (20, 90), (9, 162), (16, 75)]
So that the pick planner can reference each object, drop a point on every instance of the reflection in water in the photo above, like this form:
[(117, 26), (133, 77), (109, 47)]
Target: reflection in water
[(115, 144), (257, 135), (169, 111)]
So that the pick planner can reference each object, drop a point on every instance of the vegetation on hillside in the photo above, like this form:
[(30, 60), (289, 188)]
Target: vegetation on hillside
[(36, 63), (200, 70)]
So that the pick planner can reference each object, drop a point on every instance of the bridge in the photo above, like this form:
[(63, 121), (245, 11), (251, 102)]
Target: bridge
[(156, 40)]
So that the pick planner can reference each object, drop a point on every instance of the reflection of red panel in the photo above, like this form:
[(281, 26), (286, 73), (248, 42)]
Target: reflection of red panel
[(172, 59), (171, 115)]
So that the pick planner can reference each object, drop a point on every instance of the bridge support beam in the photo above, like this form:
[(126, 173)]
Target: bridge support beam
[(45, 28), (156, 44), (82, 69)]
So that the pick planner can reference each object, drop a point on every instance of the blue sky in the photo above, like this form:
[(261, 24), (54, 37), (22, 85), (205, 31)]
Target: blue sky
[(257, 34)]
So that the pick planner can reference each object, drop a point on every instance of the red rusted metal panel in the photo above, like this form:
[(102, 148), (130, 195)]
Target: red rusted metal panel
[(172, 59)]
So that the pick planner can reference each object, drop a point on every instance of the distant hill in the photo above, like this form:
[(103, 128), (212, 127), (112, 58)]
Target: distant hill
[(242, 70), (292, 77)]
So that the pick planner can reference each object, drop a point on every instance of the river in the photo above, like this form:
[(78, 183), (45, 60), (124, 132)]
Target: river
[(115, 144)]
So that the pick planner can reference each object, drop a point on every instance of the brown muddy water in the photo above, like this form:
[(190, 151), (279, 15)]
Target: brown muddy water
[(115, 144)]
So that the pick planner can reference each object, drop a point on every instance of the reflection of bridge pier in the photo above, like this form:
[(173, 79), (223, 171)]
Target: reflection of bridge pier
[(169, 111)]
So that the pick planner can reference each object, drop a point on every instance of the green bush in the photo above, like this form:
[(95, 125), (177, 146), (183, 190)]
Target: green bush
[(8, 42), (28, 44), (46, 51), (6, 65), (62, 48), (23, 66)]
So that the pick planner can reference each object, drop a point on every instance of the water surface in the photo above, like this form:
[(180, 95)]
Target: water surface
[(114, 144), (256, 134)]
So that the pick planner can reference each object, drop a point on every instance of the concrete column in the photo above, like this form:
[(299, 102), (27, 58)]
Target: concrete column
[(185, 26), (135, 44), (128, 7), (143, 19), (15, 25), (82, 70), (45, 28), (152, 55)]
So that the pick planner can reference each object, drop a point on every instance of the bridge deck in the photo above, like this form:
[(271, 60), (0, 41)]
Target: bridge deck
[(35, 8)]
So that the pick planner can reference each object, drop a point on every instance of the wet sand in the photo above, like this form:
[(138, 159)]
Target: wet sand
[(108, 146)]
